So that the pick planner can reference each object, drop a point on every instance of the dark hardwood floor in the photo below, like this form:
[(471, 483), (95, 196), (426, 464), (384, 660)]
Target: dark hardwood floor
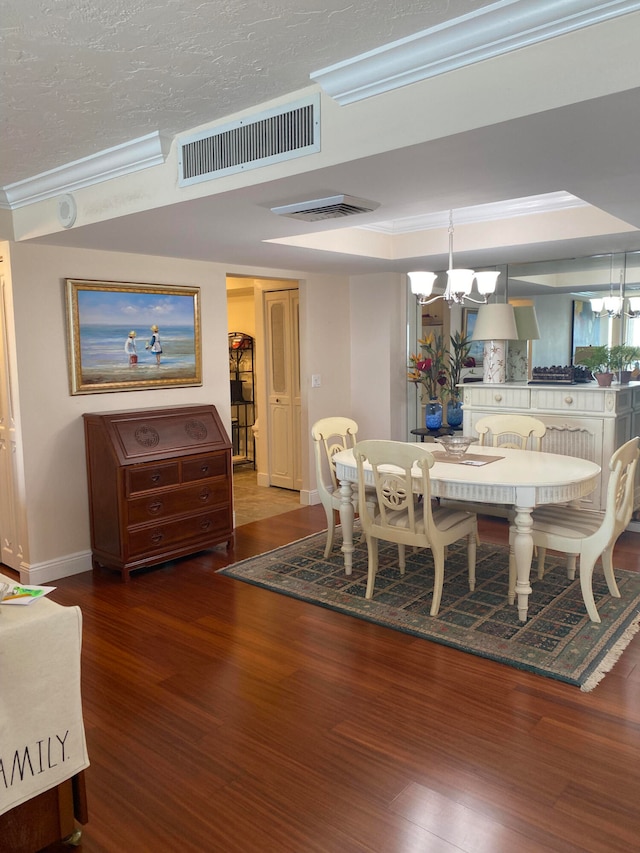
[(222, 717)]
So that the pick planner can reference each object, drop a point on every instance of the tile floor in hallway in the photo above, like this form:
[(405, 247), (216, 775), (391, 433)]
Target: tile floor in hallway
[(253, 502)]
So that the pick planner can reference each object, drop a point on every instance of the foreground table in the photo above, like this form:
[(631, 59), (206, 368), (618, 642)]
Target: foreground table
[(523, 479), (42, 738)]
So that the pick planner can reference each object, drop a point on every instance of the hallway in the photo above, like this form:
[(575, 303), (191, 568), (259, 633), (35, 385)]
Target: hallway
[(253, 503)]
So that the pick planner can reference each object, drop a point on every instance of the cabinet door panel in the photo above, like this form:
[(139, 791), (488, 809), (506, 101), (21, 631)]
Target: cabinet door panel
[(581, 437)]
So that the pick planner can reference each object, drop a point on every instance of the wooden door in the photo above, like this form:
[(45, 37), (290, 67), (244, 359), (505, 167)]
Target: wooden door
[(283, 388)]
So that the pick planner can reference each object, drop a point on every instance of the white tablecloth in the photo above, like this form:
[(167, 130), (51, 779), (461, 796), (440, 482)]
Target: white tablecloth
[(42, 740)]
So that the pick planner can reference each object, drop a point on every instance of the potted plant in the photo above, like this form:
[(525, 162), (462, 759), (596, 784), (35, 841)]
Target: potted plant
[(458, 359), (598, 361), (429, 369), (622, 358)]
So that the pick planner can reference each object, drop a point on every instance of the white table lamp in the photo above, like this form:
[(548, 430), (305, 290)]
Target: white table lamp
[(496, 324)]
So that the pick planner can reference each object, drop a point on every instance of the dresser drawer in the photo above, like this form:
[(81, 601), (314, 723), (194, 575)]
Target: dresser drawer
[(204, 466), (202, 528), (176, 501), (571, 399), (497, 397), (146, 477)]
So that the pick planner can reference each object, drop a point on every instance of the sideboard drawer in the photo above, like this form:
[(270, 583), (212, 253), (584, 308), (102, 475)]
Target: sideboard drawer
[(491, 397), (572, 398)]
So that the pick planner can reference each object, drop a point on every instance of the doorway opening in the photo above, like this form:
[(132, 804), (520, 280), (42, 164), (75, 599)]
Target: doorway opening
[(256, 493)]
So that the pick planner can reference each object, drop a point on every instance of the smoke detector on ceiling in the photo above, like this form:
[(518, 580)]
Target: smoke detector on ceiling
[(333, 207)]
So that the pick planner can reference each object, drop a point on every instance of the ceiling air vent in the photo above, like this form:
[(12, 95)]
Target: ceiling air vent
[(332, 207), (289, 131)]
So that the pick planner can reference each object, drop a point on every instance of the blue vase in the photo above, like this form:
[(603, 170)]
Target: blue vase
[(454, 413), (433, 415)]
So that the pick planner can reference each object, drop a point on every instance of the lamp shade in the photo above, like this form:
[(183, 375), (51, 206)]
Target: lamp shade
[(496, 322), (526, 323), (421, 282), (486, 281), (460, 281)]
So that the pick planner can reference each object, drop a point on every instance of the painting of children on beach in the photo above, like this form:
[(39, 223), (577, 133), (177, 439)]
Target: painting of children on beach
[(132, 336)]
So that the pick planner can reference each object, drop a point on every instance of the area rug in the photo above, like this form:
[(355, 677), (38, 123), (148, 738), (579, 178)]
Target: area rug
[(558, 640)]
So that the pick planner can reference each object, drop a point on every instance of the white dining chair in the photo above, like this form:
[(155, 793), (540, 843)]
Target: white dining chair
[(586, 535), (330, 435), (405, 517), (522, 432)]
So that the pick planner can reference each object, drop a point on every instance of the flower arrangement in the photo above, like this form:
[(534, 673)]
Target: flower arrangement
[(458, 359), (429, 369)]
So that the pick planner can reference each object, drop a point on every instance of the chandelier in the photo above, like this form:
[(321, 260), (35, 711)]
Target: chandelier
[(613, 305), (459, 282)]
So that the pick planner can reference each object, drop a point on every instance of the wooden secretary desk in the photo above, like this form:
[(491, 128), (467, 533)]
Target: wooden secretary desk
[(159, 485)]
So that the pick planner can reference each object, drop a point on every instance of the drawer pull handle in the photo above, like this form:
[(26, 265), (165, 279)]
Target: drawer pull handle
[(568, 400), (155, 507), (205, 494), (498, 398), (157, 537), (205, 525), (155, 478), (205, 469)]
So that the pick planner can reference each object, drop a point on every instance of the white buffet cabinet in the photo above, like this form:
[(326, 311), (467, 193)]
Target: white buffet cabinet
[(582, 420)]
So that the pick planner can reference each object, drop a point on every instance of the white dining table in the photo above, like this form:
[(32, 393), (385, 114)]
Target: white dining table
[(522, 479)]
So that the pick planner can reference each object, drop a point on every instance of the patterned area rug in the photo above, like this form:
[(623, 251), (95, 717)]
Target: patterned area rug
[(558, 640)]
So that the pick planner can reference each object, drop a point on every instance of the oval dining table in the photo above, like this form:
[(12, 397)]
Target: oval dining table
[(522, 479)]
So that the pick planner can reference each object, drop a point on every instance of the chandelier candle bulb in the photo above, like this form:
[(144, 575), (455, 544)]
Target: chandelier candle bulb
[(459, 281)]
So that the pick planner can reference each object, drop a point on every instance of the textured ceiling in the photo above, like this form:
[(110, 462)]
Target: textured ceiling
[(79, 76)]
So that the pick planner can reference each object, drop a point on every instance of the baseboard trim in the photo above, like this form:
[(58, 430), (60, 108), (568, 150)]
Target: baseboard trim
[(309, 497), (51, 570)]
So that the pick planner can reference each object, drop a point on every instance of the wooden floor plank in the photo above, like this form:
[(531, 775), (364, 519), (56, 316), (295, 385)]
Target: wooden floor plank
[(226, 718)]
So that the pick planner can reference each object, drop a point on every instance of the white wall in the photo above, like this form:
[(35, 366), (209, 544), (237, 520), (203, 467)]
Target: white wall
[(325, 347), (378, 355), (352, 333), (51, 419)]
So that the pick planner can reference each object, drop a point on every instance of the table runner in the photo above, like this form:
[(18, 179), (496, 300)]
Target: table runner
[(42, 739)]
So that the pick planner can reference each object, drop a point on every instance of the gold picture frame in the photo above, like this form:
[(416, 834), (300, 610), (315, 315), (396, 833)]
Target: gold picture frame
[(112, 345)]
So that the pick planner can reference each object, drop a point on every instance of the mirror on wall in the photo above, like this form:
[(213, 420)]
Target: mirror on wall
[(561, 292)]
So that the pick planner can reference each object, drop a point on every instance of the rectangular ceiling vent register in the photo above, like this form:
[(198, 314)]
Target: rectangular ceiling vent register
[(273, 136), (332, 207)]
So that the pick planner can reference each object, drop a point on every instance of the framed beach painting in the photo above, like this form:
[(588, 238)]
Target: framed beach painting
[(130, 337)]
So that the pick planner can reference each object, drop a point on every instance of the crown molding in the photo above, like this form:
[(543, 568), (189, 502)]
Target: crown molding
[(545, 203), (124, 159), (485, 33)]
